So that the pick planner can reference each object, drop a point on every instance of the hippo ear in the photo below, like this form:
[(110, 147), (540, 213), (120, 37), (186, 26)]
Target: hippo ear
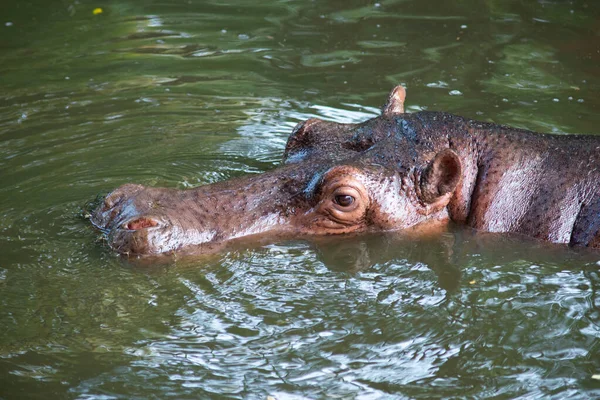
[(395, 102), (441, 176)]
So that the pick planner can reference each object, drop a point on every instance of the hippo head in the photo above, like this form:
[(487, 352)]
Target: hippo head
[(335, 179)]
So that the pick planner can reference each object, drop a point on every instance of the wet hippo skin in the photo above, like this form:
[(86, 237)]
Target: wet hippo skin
[(389, 173)]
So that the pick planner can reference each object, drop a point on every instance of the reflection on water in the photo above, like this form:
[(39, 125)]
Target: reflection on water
[(182, 94)]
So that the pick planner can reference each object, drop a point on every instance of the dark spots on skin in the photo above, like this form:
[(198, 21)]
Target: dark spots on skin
[(408, 131), (358, 145)]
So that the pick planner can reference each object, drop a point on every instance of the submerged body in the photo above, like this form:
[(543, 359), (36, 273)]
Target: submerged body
[(391, 172)]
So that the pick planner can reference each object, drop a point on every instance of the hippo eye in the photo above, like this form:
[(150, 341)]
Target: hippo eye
[(344, 200)]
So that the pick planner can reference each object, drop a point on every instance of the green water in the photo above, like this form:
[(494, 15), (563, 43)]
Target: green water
[(183, 93)]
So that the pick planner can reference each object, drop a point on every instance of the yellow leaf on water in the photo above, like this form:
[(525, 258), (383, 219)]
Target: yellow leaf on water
[(472, 282), (597, 377), (97, 11)]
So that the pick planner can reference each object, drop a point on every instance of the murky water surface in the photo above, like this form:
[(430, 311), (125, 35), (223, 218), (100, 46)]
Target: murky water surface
[(183, 93)]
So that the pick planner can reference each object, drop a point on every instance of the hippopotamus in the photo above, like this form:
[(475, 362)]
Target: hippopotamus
[(393, 172)]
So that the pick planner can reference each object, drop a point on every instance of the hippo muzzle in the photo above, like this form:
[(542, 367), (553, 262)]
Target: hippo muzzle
[(140, 220)]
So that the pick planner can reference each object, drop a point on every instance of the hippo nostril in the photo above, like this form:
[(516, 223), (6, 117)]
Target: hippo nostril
[(141, 223)]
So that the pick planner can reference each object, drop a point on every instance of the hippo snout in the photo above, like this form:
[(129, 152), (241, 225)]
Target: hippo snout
[(126, 217), (139, 220), (118, 209)]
